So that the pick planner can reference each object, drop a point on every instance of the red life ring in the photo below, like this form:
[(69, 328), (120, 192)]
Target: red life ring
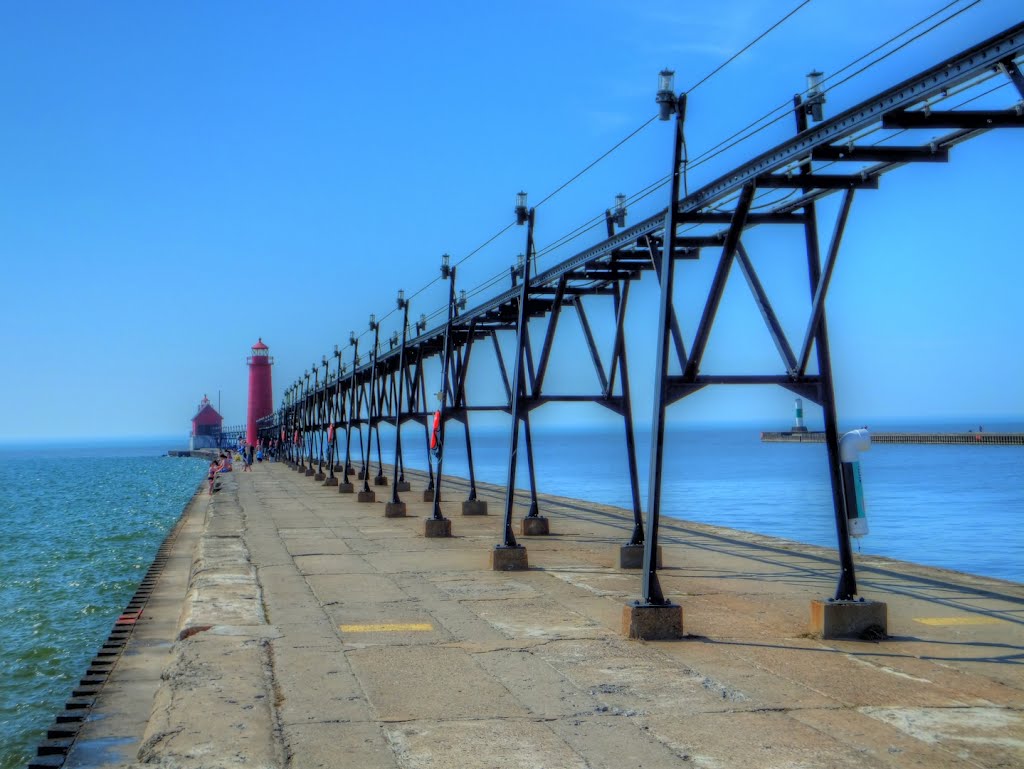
[(436, 431)]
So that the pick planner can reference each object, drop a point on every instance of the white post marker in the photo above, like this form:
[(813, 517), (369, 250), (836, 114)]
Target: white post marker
[(850, 446)]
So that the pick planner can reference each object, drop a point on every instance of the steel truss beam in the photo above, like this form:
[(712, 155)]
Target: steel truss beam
[(373, 391)]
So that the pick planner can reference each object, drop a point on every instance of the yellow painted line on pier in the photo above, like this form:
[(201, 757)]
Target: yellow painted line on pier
[(393, 627), (958, 620)]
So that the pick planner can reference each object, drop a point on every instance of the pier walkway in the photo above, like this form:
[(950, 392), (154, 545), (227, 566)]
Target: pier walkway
[(292, 626)]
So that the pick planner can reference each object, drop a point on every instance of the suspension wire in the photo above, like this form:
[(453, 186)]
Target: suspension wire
[(708, 154), (625, 139), (487, 242), (594, 163), (786, 106), (745, 48)]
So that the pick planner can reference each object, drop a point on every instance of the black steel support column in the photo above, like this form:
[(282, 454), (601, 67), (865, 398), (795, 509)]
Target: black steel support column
[(371, 406), (518, 388), (427, 432), (846, 588), (619, 355), (469, 459), (651, 588), (398, 405), (352, 403), (375, 422), (337, 404), (534, 507), (460, 401), (442, 406), (307, 410), (320, 404)]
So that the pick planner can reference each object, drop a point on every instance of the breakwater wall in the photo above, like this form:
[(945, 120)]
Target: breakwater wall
[(959, 439)]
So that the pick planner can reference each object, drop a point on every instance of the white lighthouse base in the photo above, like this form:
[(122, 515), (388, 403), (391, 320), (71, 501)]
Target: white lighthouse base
[(202, 442)]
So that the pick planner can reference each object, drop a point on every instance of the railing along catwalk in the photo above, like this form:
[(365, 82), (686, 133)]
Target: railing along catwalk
[(345, 407)]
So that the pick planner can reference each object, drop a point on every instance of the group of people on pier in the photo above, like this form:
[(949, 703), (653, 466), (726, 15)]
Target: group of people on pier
[(245, 453)]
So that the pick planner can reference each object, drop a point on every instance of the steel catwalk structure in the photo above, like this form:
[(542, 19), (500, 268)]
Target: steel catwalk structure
[(390, 386)]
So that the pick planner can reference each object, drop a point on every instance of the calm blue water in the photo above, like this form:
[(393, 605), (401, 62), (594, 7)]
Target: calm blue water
[(81, 526), (956, 507)]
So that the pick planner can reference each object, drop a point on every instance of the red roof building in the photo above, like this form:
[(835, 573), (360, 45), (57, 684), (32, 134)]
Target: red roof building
[(207, 426)]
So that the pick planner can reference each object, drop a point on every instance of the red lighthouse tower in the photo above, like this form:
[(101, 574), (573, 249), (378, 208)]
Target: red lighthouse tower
[(261, 394)]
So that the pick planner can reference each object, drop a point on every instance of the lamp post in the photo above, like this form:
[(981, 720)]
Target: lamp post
[(814, 103), (653, 616), (616, 215), (349, 414), (333, 414), (437, 525), (367, 495), (666, 97), (509, 555), (297, 437), (396, 507), (320, 401), (311, 415), (293, 424)]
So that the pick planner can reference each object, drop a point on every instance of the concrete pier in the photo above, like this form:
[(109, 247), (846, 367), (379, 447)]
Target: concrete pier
[(292, 626), (946, 439)]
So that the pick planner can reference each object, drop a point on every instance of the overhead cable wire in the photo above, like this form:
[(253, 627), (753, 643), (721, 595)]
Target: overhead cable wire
[(711, 152), (745, 48), (705, 157), (785, 107), (598, 160)]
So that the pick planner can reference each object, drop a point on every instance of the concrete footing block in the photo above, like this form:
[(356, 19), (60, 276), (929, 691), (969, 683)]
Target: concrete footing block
[(394, 510), (320, 476), (363, 475), (346, 488), (428, 495), (380, 480), (535, 526), (632, 557), (402, 486), (863, 619), (509, 558), (474, 507), (652, 623), (366, 496), (437, 527), (333, 481), (310, 472)]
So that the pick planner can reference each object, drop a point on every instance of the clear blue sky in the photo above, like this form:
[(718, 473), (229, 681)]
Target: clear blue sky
[(180, 179)]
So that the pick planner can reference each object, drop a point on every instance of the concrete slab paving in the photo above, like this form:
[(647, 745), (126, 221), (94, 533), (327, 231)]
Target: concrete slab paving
[(481, 743), (405, 683), (326, 635)]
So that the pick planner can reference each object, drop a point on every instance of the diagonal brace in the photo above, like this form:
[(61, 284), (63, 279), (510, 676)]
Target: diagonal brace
[(770, 318), (732, 238), (818, 304)]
